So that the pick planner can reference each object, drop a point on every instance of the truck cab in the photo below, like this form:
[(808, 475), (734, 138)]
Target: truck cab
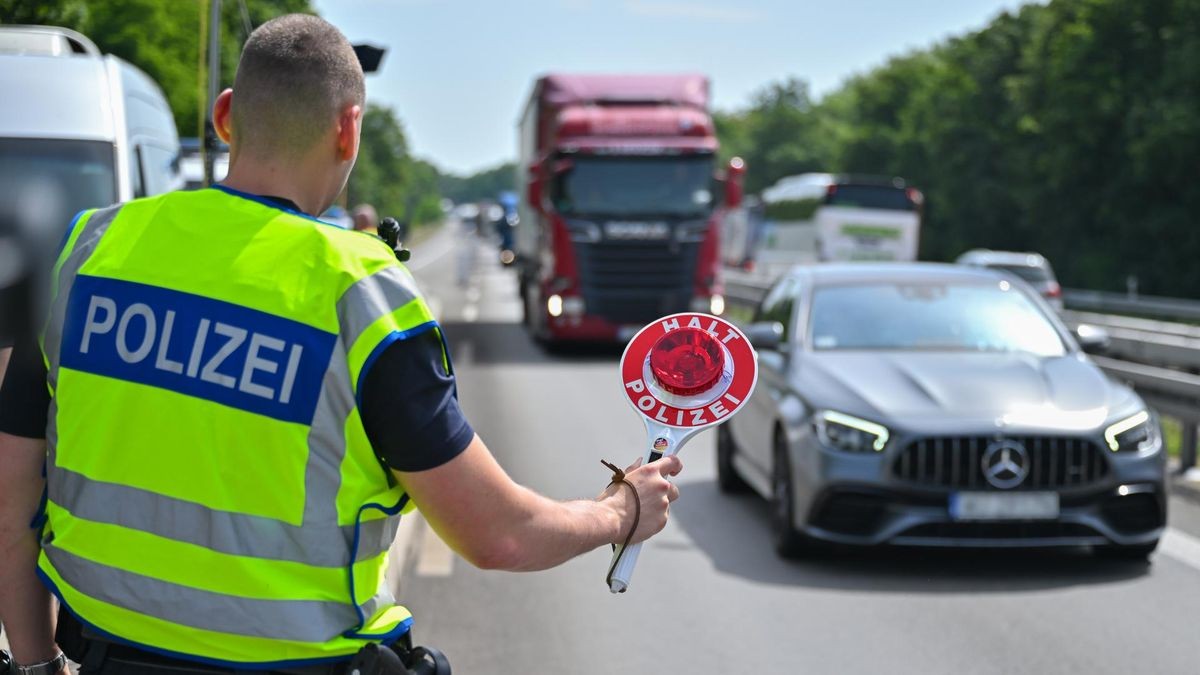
[(619, 218)]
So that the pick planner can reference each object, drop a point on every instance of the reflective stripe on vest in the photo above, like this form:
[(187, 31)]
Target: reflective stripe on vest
[(211, 491)]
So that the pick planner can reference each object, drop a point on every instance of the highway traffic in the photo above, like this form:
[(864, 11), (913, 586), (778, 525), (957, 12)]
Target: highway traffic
[(924, 467), (710, 592)]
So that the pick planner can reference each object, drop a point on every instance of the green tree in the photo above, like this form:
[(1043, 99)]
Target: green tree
[(1070, 128), (42, 12), (480, 186), (387, 176)]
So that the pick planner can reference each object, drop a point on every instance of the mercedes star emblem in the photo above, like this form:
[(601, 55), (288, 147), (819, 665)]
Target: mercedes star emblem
[(1005, 464)]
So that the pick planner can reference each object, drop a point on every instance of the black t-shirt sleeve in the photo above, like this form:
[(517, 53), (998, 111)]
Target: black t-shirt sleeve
[(409, 406), (24, 398)]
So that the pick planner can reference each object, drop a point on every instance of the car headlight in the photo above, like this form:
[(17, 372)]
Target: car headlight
[(1132, 434), (849, 433)]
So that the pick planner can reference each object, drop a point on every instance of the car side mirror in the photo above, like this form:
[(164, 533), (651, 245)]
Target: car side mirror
[(733, 183), (765, 335), (1092, 339)]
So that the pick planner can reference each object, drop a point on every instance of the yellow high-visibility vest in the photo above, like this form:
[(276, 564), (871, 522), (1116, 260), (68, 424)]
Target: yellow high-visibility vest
[(211, 491)]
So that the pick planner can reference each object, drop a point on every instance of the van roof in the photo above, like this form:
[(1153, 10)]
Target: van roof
[(57, 97)]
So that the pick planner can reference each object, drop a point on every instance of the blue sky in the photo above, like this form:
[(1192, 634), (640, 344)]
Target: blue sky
[(458, 71)]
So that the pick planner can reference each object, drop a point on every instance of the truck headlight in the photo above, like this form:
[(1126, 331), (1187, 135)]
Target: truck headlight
[(1132, 434), (849, 433)]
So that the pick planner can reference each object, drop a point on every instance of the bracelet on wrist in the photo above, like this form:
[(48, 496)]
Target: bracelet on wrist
[(51, 667)]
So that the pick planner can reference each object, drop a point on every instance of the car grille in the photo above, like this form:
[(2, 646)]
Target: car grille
[(955, 462), (635, 282)]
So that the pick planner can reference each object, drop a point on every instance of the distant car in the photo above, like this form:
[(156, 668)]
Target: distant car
[(936, 405), (1032, 268)]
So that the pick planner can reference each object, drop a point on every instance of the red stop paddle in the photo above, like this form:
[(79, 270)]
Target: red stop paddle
[(682, 374)]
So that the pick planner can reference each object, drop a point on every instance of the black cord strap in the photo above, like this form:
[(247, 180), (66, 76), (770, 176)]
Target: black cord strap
[(619, 477)]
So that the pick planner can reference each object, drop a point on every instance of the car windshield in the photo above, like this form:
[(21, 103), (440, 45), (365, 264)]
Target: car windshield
[(1030, 273), (55, 179), (931, 316), (635, 186)]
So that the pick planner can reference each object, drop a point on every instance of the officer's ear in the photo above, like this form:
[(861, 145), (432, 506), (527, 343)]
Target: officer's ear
[(222, 121), (347, 133)]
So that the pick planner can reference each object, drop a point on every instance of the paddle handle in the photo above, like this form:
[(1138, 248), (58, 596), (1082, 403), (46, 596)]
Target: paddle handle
[(626, 560)]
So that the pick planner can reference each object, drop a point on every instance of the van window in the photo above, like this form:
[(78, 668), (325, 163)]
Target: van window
[(160, 169), (59, 178), (136, 184)]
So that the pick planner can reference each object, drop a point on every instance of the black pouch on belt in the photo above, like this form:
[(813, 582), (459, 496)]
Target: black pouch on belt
[(374, 659)]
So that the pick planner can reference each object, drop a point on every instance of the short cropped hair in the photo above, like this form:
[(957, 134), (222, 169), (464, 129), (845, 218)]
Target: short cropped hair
[(296, 74)]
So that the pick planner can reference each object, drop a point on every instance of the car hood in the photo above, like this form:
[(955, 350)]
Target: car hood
[(1012, 389)]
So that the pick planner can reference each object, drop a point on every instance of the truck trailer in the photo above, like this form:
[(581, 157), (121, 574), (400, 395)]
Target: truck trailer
[(621, 204)]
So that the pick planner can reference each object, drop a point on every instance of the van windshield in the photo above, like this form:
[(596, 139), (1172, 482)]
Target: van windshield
[(52, 180)]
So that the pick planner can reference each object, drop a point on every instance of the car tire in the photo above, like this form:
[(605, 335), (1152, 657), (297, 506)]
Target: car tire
[(789, 543), (1133, 553), (728, 480)]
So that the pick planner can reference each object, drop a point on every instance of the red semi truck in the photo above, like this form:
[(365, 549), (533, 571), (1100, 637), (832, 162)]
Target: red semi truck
[(619, 215)]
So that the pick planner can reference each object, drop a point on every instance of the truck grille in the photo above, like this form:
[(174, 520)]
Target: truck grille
[(956, 462), (635, 282)]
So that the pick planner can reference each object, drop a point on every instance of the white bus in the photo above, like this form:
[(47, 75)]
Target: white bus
[(821, 217)]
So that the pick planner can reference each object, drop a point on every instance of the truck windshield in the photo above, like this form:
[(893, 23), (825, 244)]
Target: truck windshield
[(52, 180), (635, 186)]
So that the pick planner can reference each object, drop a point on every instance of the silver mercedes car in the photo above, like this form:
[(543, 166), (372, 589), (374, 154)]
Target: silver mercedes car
[(938, 405)]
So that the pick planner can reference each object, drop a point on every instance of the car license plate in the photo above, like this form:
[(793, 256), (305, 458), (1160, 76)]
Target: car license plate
[(1004, 506)]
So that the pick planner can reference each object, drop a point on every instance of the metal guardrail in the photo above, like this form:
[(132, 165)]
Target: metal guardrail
[(1136, 305), (1154, 342), (1153, 357)]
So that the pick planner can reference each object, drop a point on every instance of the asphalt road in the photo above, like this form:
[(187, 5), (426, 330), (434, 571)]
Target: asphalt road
[(709, 594)]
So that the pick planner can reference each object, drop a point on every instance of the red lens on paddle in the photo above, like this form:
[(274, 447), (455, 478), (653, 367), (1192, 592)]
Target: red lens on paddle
[(687, 361)]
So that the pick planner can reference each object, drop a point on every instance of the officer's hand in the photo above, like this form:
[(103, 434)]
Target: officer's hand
[(655, 493)]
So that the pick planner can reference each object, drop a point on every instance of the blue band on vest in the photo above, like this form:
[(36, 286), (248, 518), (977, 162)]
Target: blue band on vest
[(201, 347)]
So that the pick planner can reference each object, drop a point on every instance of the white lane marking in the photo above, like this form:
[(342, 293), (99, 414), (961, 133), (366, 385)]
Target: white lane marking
[(473, 294), (435, 559), (1181, 546), (470, 313)]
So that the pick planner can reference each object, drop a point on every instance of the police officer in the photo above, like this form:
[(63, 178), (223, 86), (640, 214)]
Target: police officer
[(234, 402)]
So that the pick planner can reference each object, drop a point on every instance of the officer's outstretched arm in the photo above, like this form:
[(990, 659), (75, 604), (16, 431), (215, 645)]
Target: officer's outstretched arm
[(25, 605), (494, 523)]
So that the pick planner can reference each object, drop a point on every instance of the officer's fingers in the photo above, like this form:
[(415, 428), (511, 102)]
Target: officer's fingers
[(673, 492), (631, 467), (670, 466)]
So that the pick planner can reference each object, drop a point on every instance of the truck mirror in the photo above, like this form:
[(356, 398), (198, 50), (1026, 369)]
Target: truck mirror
[(733, 182)]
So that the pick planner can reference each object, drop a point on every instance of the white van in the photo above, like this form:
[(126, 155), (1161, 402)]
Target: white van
[(78, 129)]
